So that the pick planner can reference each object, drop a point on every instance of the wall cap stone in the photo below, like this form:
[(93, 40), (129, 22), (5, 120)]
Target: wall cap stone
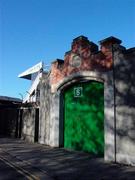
[(110, 39)]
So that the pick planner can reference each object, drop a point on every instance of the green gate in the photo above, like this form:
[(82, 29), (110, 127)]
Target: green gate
[(84, 117)]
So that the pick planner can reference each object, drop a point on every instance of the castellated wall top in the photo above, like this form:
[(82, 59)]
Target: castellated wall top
[(84, 56)]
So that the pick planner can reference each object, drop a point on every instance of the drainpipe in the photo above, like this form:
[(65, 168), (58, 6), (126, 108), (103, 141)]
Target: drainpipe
[(114, 75)]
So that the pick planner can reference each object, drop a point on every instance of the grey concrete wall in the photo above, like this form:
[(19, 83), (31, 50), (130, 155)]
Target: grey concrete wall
[(54, 119), (109, 126), (124, 63), (28, 124), (44, 112)]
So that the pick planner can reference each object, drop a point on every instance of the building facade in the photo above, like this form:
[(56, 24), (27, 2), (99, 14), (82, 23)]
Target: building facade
[(87, 100)]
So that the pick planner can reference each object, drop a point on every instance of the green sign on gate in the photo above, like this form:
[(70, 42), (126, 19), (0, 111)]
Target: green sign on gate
[(78, 92)]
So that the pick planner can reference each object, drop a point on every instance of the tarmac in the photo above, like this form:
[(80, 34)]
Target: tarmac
[(36, 161)]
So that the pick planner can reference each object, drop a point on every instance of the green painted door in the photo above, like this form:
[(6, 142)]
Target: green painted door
[(84, 117)]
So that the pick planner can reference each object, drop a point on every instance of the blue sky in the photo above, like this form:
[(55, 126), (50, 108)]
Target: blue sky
[(35, 30)]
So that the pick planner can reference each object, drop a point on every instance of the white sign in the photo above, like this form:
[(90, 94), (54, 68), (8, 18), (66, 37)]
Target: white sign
[(78, 92), (32, 70)]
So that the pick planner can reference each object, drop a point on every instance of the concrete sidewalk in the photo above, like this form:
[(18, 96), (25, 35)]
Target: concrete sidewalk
[(60, 164)]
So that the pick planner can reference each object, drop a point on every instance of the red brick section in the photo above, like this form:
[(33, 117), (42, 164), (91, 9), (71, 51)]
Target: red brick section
[(84, 56)]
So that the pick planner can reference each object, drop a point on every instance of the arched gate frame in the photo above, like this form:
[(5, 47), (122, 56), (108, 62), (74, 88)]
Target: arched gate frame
[(109, 111), (82, 116)]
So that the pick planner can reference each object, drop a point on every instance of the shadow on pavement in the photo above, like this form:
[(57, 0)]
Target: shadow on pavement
[(64, 164)]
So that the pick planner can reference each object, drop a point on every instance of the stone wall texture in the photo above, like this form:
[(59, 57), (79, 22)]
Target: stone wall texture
[(28, 124), (125, 105)]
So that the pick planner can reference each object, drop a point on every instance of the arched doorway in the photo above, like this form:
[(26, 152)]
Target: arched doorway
[(84, 117)]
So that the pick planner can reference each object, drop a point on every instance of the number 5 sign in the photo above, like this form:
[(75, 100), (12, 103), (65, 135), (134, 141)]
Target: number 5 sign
[(78, 92)]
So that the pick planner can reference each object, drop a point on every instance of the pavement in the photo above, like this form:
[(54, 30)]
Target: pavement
[(36, 161), (6, 172)]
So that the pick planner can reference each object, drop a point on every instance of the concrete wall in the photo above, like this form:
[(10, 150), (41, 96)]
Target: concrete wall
[(28, 124), (44, 112), (125, 105)]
